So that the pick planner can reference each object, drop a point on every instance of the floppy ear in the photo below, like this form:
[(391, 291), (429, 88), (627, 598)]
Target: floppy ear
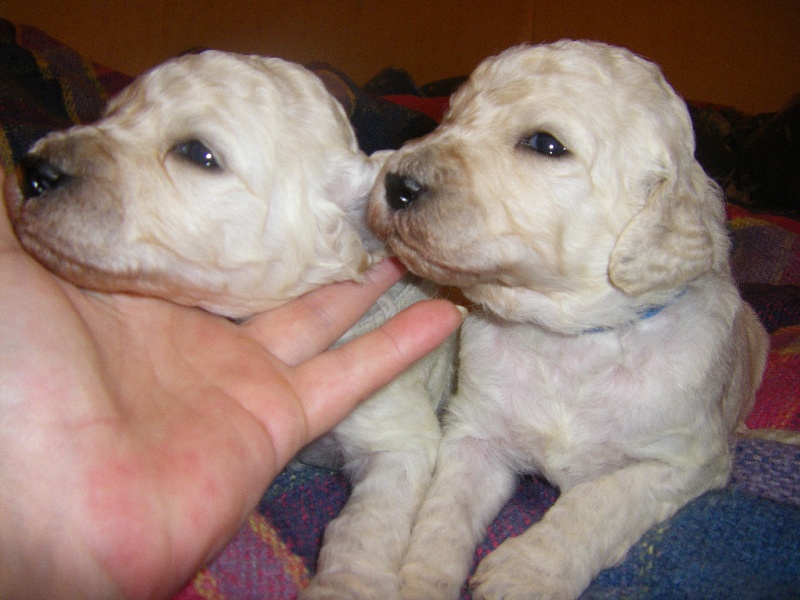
[(350, 191), (670, 242)]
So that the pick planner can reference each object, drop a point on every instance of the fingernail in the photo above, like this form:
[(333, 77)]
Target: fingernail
[(463, 310)]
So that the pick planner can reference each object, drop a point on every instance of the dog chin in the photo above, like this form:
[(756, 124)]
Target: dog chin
[(85, 275), (439, 272), (103, 279)]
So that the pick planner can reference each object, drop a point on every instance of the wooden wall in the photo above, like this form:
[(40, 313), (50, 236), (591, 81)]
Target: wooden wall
[(744, 53)]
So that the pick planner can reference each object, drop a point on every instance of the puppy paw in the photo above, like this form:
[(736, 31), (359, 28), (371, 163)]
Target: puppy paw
[(420, 582), (352, 586), (515, 571)]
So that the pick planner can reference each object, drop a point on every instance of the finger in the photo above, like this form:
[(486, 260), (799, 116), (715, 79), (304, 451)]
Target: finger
[(305, 327), (334, 382)]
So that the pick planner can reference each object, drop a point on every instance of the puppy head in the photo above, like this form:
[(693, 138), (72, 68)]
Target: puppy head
[(230, 182), (561, 187)]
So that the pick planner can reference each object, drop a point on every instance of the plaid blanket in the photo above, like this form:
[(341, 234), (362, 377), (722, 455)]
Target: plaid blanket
[(739, 542)]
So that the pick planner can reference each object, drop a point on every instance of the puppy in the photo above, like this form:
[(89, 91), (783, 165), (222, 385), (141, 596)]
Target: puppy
[(235, 183), (610, 351)]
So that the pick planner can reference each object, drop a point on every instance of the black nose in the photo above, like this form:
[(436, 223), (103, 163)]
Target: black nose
[(39, 175), (402, 190)]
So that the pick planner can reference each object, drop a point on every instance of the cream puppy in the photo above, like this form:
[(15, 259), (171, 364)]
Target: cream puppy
[(235, 183), (610, 351), (228, 182)]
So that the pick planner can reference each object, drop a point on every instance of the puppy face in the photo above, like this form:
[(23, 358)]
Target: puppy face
[(561, 187), (224, 181)]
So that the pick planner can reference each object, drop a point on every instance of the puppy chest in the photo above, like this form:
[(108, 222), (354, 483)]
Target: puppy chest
[(559, 408)]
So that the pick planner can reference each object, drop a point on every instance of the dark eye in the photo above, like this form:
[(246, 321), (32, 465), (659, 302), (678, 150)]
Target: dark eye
[(198, 153), (544, 143)]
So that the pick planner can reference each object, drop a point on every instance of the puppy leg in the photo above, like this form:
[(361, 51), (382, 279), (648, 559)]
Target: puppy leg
[(589, 528), (364, 545), (470, 486)]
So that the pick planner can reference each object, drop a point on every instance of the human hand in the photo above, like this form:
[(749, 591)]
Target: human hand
[(137, 435)]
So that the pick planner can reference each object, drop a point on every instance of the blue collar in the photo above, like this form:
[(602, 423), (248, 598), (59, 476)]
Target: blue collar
[(650, 312), (644, 314)]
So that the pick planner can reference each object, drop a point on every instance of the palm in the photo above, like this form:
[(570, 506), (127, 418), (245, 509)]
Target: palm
[(155, 460)]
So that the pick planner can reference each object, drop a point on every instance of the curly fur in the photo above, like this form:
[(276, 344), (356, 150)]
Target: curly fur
[(281, 215)]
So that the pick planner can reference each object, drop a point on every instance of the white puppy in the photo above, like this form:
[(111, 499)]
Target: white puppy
[(610, 351), (235, 183)]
